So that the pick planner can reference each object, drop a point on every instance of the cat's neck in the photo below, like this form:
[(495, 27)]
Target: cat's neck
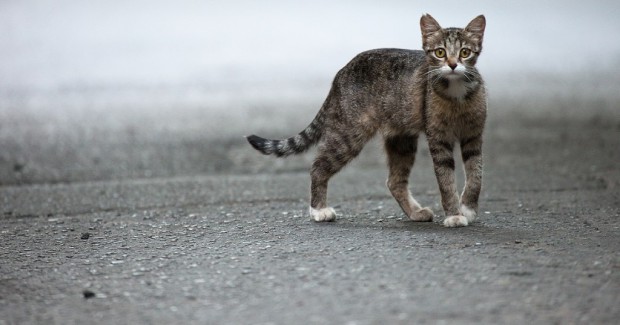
[(457, 88)]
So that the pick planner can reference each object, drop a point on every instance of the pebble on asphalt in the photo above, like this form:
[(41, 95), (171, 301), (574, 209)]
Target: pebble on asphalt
[(88, 294)]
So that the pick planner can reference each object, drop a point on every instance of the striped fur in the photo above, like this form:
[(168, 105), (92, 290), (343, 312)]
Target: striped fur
[(400, 94), (297, 144)]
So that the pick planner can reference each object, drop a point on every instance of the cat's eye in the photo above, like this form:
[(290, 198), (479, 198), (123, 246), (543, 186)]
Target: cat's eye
[(440, 53), (465, 53)]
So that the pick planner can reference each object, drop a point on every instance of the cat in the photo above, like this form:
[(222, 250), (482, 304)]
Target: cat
[(401, 93)]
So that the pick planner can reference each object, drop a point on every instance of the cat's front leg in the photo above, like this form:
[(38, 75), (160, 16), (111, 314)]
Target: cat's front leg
[(401, 152), (471, 152), (443, 163)]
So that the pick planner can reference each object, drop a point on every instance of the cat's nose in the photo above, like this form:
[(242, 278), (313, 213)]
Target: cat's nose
[(452, 65)]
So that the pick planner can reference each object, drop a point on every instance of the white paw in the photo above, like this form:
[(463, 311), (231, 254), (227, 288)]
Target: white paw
[(325, 214), (422, 215), (468, 213), (455, 221)]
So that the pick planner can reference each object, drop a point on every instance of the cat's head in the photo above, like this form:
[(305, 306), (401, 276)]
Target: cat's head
[(453, 51)]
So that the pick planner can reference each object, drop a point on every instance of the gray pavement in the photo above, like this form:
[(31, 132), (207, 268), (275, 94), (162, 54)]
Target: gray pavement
[(129, 196), (216, 233)]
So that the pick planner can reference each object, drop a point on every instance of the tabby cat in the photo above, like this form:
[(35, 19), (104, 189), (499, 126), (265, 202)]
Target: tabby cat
[(401, 93)]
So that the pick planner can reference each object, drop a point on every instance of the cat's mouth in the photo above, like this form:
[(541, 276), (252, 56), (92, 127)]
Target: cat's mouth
[(454, 75)]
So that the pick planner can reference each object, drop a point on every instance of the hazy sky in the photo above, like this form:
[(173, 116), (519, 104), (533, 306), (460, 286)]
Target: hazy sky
[(71, 43)]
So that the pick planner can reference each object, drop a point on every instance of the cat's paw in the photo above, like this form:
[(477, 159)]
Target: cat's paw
[(325, 214), (422, 215), (468, 213), (455, 221)]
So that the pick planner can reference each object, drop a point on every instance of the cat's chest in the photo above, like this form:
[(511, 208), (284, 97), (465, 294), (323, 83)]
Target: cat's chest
[(456, 89), (453, 116)]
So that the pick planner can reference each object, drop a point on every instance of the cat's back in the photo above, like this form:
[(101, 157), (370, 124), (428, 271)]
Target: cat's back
[(381, 65), (389, 56)]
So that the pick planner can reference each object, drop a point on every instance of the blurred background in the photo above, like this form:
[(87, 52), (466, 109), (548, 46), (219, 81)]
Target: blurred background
[(100, 90)]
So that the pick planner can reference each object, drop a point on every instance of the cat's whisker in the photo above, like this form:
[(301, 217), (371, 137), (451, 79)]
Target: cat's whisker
[(465, 74), (431, 72), (435, 79)]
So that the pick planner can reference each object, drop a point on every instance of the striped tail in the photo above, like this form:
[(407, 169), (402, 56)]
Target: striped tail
[(291, 146)]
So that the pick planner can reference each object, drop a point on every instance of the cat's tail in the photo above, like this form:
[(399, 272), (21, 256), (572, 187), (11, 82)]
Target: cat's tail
[(293, 145)]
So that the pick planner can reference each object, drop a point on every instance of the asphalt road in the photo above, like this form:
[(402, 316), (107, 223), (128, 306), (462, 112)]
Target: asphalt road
[(84, 242)]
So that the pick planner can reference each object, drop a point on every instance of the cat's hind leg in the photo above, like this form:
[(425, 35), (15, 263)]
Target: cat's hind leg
[(334, 152), (401, 152)]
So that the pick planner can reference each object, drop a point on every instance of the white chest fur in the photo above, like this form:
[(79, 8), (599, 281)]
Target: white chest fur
[(457, 88)]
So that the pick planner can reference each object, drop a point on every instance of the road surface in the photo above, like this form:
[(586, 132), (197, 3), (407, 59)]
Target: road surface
[(216, 233)]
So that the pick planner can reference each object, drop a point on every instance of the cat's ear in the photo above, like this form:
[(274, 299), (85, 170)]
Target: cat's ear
[(475, 28), (429, 26)]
